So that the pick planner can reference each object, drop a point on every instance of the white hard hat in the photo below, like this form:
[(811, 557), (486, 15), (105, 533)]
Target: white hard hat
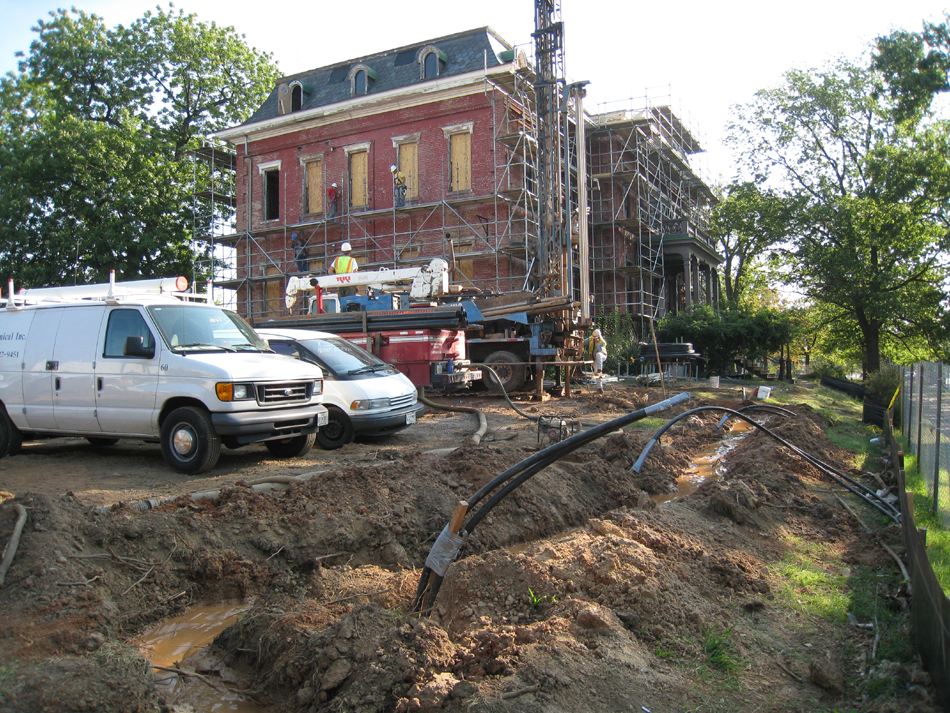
[(393, 167), (333, 184), (345, 247)]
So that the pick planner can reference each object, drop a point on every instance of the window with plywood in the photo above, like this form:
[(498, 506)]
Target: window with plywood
[(465, 267), (359, 164), (313, 188), (409, 165), (460, 162)]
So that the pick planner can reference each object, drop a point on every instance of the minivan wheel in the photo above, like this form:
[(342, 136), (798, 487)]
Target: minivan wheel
[(337, 433), (189, 442), (291, 447)]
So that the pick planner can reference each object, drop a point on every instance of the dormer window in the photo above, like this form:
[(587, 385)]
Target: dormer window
[(361, 79), (296, 98), (431, 62)]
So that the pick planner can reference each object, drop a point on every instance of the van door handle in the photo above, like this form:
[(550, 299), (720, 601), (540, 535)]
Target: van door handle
[(58, 383), (99, 383), (52, 365)]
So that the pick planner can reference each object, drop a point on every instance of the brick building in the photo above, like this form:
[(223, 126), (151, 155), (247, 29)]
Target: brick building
[(456, 116)]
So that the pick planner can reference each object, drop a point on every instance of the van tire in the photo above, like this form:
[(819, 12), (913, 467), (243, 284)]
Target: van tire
[(10, 437), (101, 441), (338, 432), (189, 442), (291, 447), (509, 368)]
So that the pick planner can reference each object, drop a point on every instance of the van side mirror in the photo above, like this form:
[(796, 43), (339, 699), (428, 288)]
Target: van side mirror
[(135, 347)]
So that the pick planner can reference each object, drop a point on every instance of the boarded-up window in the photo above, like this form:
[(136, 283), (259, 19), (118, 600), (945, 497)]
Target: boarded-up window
[(409, 252), (409, 165), (358, 178), (274, 292), (465, 266), (460, 162), (314, 187)]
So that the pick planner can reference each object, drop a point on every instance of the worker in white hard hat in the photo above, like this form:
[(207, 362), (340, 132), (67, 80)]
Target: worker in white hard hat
[(333, 200), (343, 264), (399, 186)]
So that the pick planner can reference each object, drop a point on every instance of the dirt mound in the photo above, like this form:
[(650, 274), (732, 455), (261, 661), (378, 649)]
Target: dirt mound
[(577, 592)]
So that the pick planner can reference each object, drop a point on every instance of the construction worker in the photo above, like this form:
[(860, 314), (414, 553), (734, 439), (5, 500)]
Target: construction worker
[(300, 254), (333, 200), (342, 265), (399, 186), (598, 346)]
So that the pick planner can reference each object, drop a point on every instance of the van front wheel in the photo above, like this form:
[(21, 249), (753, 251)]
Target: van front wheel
[(189, 442), (293, 447)]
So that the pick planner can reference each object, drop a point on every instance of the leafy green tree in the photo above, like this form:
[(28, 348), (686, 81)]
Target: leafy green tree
[(96, 130), (868, 200), (729, 335), (746, 224), (916, 67)]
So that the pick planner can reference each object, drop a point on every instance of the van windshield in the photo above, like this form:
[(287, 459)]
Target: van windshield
[(191, 327), (342, 358)]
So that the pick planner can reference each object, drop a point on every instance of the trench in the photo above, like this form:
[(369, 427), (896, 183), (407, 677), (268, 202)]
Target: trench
[(182, 642), (707, 464)]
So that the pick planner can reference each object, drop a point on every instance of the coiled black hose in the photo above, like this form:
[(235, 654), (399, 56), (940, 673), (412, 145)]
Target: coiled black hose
[(448, 544), (862, 491)]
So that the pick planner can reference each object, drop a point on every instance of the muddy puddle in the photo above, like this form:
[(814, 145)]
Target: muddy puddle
[(205, 683), (707, 463)]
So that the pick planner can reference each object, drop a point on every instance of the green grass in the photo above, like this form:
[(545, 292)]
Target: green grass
[(938, 538), (809, 589), (7, 677), (720, 651)]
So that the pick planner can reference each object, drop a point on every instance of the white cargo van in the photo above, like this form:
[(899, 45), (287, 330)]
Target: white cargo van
[(145, 360), (363, 394)]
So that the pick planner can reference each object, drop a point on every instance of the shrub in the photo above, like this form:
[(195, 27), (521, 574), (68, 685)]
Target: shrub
[(823, 366), (882, 384)]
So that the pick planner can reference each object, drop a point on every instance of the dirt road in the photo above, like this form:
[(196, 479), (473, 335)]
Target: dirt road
[(576, 593)]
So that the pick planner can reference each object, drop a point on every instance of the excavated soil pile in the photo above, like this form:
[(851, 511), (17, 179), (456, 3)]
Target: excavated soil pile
[(576, 593)]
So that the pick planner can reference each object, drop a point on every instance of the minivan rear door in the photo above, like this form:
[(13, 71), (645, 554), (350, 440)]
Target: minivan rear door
[(74, 396)]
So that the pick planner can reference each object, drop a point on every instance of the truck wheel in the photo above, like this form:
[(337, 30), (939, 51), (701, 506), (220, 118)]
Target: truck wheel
[(102, 441), (189, 442), (337, 433), (509, 368), (10, 437), (291, 447)]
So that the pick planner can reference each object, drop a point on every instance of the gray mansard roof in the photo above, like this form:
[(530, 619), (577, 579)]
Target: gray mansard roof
[(393, 69)]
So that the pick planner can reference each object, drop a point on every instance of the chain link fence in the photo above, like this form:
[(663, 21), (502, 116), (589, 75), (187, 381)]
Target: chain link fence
[(925, 424)]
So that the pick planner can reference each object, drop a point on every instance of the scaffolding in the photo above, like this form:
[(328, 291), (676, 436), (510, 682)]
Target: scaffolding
[(213, 204), (648, 218), (485, 236), (644, 196)]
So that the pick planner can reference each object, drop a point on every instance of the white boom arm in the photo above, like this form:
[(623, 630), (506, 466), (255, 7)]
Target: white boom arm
[(426, 282)]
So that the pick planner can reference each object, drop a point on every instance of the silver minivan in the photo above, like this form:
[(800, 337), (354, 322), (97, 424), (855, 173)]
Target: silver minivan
[(363, 394)]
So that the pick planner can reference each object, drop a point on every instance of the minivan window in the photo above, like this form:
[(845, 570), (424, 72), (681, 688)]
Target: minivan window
[(124, 323), (341, 357), (196, 327)]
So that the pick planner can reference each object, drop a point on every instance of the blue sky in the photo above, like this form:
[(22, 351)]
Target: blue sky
[(701, 57)]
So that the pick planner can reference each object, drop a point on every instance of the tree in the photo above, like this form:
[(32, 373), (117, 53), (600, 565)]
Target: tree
[(728, 335), (916, 67), (745, 225), (95, 134), (868, 198)]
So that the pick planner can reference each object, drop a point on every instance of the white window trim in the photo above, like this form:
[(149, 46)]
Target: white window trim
[(466, 128), (265, 166), (406, 139), (439, 61), (357, 148), (352, 78)]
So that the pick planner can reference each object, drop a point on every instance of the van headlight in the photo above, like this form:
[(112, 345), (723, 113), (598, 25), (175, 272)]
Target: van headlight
[(318, 387), (367, 404), (227, 391)]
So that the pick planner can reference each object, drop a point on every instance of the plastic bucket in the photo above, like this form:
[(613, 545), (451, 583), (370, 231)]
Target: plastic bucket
[(714, 382), (763, 392)]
